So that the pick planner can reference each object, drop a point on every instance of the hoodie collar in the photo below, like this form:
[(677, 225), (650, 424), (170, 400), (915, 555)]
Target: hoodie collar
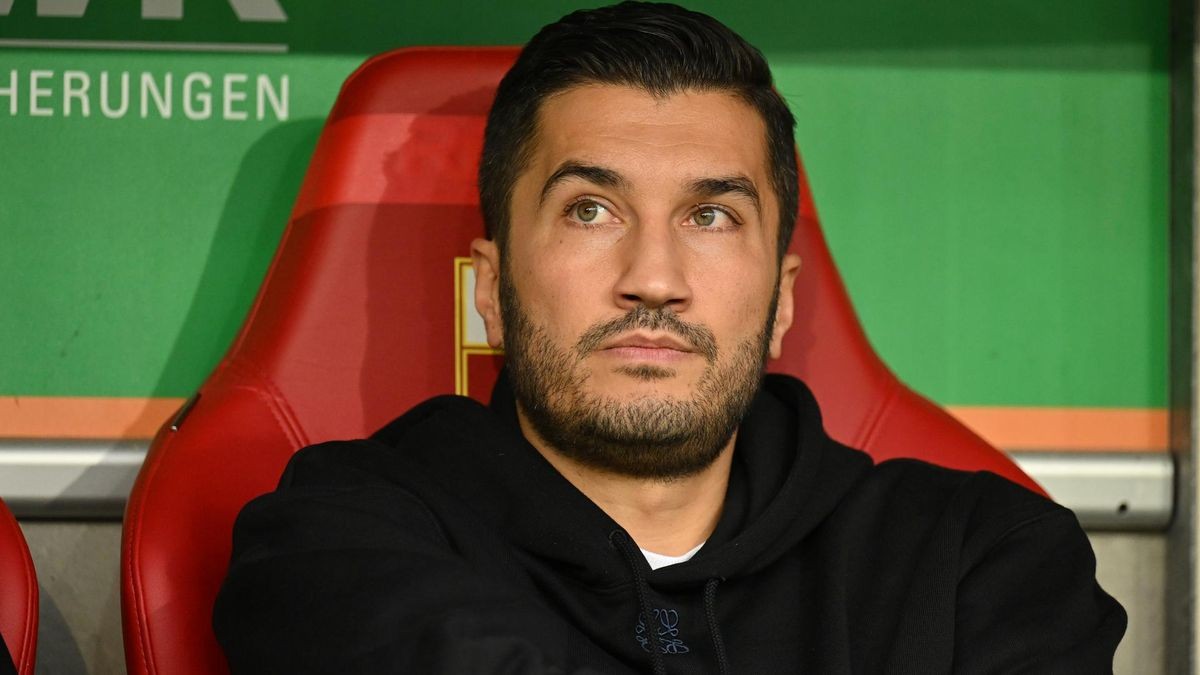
[(787, 477)]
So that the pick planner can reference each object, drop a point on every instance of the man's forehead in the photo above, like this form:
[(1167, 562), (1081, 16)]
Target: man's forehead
[(697, 134)]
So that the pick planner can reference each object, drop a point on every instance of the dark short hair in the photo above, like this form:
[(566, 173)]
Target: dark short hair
[(661, 48)]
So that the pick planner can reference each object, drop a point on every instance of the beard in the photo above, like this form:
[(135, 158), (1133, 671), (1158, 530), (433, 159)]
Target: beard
[(654, 436)]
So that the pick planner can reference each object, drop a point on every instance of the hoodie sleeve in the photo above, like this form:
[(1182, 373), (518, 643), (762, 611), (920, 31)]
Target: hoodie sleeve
[(329, 578), (7, 666), (1031, 603)]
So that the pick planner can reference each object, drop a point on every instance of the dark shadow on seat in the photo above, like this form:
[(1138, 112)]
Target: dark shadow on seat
[(252, 221), (420, 144)]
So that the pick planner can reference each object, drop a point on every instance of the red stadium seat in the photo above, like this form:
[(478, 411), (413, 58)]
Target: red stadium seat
[(362, 315), (18, 594)]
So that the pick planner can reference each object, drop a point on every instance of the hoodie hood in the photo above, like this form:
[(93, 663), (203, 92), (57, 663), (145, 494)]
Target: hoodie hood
[(787, 477)]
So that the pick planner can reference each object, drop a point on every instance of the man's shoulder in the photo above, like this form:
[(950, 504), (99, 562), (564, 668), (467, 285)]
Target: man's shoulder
[(909, 487), (376, 488), (394, 453), (1006, 571), (985, 487), (349, 463), (979, 508)]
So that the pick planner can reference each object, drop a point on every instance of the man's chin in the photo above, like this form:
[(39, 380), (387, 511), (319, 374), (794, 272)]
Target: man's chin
[(646, 372), (639, 380)]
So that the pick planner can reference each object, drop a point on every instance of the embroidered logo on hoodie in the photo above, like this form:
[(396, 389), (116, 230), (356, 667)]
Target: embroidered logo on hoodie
[(666, 632)]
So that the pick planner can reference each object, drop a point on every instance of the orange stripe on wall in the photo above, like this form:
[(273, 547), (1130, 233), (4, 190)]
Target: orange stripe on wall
[(1010, 428), (1091, 429), (83, 417)]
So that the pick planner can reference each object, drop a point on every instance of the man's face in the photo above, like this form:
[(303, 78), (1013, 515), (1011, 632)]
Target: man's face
[(640, 290)]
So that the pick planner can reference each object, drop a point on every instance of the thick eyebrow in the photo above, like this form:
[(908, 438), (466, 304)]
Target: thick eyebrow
[(597, 175), (735, 185)]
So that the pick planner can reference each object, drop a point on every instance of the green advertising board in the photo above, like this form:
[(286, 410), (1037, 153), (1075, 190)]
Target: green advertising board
[(991, 177)]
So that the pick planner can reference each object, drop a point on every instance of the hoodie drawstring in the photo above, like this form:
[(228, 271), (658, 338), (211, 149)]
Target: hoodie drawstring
[(710, 611), (634, 559)]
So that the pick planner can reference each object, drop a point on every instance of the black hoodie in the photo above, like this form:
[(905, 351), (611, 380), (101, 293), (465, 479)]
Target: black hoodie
[(6, 662), (447, 544)]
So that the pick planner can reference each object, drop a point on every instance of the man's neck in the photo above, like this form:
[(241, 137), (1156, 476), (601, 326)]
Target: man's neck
[(670, 517)]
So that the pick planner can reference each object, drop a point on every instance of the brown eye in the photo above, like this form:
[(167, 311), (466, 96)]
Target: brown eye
[(587, 212), (705, 217)]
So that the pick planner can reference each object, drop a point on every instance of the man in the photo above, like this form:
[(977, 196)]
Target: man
[(638, 498)]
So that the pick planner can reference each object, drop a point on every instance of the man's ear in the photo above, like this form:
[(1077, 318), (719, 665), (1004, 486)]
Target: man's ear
[(485, 257), (785, 309)]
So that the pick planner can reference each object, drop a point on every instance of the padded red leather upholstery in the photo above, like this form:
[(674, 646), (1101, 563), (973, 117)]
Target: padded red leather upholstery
[(356, 322), (18, 594)]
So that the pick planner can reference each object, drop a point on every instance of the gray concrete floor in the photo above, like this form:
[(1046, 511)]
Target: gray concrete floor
[(78, 566), (1132, 568)]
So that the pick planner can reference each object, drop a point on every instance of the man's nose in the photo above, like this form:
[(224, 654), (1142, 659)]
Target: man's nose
[(654, 271)]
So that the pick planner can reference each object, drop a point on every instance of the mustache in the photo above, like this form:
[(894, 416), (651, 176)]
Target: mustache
[(698, 337)]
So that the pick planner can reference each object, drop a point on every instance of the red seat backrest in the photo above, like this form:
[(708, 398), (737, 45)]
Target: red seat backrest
[(362, 315), (18, 594)]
